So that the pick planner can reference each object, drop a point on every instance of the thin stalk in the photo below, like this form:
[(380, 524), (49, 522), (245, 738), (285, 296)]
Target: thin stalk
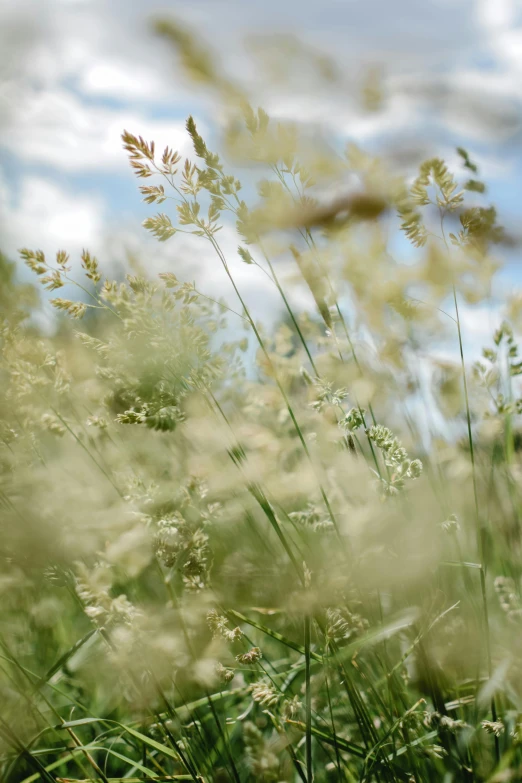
[(334, 733), (278, 383), (479, 532), (470, 436), (488, 653), (308, 702), (289, 310)]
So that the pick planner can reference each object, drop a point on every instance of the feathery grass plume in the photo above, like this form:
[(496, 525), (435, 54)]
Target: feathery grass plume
[(244, 551)]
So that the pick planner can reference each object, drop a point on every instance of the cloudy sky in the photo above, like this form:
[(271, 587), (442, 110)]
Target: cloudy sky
[(74, 73)]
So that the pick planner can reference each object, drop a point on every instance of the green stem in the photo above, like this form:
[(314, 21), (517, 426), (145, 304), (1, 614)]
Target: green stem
[(308, 702)]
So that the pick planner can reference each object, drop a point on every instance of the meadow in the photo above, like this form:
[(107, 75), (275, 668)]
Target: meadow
[(239, 551)]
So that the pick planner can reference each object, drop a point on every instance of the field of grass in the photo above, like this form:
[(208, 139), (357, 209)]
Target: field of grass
[(236, 552)]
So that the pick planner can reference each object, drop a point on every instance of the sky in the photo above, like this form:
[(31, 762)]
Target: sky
[(75, 73)]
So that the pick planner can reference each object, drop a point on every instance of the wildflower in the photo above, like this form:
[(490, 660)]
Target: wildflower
[(224, 674), (451, 524), (495, 727), (264, 694), (291, 708), (415, 469), (53, 425), (343, 624), (252, 656), (218, 624), (353, 420), (97, 421), (509, 600), (395, 456), (394, 453), (327, 395), (311, 517), (436, 720), (74, 309)]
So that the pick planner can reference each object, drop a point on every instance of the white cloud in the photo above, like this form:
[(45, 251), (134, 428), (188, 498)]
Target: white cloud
[(93, 48), (54, 127), (478, 325), (507, 49), (106, 54), (343, 116), (121, 79), (48, 217), (496, 14)]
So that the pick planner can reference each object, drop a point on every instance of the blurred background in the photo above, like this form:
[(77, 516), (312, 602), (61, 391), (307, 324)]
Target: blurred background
[(75, 73)]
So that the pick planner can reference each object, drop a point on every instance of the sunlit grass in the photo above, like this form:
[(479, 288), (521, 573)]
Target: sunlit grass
[(257, 558)]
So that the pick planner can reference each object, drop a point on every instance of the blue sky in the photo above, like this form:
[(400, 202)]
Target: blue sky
[(74, 73)]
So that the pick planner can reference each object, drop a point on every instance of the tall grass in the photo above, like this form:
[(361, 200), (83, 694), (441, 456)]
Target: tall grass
[(236, 552)]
